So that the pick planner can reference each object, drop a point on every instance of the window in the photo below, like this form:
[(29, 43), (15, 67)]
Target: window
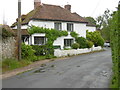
[(58, 26), (39, 40), (69, 27), (68, 42), (25, 38)]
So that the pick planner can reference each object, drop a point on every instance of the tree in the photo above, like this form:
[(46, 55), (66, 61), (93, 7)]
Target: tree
[(91, 20), (103, 24)]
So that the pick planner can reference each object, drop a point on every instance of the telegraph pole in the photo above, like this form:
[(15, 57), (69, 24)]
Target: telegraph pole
[(19, 30)]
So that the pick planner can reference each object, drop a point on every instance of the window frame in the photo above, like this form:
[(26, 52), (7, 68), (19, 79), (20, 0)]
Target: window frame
[(68, 42), (42, 43), (58, 25), (70, 27)]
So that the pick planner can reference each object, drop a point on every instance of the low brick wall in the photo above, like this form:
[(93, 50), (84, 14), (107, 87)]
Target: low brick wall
[(8, 47), (63, 53)]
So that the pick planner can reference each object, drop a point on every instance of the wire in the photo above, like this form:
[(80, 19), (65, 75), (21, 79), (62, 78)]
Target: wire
[(96, 8)]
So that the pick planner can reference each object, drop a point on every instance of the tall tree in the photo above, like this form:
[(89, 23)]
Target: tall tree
[(103, 23), (91, 20)]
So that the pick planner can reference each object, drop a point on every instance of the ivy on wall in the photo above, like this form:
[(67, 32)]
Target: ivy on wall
[(51, 35), (74, 34)]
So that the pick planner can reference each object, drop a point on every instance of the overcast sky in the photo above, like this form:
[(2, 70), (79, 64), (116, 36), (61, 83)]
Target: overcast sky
[(94, 8)]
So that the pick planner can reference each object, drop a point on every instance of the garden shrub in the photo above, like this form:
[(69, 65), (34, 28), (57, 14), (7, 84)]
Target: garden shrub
[(95, 37), (89, 44), (82, 42), (75, 45), (39, 49), (28, 52), (57, 47)]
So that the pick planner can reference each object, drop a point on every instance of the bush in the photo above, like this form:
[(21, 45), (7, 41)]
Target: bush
[(74, 34), (28, 52), (39, 49), (90, 44), (82, 42), (95, 37), (75, 46)]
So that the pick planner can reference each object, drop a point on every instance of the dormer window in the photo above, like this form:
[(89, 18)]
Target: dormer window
[(70, 27), (58, 26)]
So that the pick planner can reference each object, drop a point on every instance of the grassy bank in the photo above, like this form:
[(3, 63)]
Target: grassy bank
[(11, 64)]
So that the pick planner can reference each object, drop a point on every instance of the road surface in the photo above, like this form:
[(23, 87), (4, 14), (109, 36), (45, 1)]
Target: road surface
[(83, 71)]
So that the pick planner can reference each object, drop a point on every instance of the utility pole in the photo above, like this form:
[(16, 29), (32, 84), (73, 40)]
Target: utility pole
[(19, 30)]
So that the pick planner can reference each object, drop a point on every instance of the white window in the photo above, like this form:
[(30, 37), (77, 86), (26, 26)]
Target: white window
[(39, 40), (68, 42), (58, 26), (70, 27)]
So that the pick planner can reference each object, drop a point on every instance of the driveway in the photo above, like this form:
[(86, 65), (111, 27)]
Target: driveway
[(82, 71)]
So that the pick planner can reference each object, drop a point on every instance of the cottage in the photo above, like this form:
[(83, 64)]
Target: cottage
[(57, 17)]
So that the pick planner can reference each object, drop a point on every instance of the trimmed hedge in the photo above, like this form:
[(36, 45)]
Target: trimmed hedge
[(75, 45), (82, 42)]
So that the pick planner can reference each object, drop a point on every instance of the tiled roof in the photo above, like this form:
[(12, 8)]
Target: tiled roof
[(51, 13), (88, 24)]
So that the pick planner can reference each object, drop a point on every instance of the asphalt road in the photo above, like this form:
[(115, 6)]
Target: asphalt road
[(83, 71)]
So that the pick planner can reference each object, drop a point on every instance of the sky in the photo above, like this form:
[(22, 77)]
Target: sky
[(85, 8)]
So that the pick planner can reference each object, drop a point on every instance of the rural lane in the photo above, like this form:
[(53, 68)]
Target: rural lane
[(83, 71)]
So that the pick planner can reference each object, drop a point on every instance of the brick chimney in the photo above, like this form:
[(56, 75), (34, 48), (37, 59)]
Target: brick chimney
[(68, 7), (37, 3)]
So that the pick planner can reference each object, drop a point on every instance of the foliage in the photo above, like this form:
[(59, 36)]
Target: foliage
[(39, 49), (11, 64), (57, 47), (91, 20), (115, 45), (82, 42), (28, 52), (6, 33), (89, 44), (103, 20), (95, 37), (51, 35), (74, 34), (67, 48), (75, 45)]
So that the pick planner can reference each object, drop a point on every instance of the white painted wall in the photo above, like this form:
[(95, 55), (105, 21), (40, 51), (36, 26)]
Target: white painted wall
[(60, 41), (44, 24), (22, 27), (80, 28), (91, 28), (63, 53), (33, 35)]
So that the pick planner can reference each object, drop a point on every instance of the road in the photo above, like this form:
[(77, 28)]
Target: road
[(83, 71)]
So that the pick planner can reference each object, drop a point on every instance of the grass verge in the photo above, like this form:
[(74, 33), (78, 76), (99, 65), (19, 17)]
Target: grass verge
[(11, 64)]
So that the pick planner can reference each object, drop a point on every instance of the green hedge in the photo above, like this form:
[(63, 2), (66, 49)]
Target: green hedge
[(28, 52), (75, 45), (95, 37), (115, 46), (42, 50), (82, 42)]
